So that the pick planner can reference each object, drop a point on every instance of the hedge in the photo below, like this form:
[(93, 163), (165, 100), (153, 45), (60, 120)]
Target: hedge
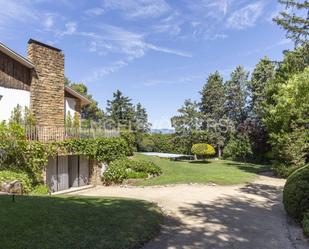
[(296, 193)]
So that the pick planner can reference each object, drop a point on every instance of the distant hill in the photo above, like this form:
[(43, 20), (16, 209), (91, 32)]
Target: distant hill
[(162, 131)]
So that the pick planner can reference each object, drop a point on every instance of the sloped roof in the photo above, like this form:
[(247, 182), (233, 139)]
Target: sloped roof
[(84, 100), (16, 56)]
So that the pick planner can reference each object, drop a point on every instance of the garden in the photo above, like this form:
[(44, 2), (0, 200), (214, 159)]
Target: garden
[(240, 126)]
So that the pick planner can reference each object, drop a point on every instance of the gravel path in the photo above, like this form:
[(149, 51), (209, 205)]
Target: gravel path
[(218, 217)]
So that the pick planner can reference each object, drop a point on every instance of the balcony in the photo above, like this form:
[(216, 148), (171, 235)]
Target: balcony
[(54, 133)]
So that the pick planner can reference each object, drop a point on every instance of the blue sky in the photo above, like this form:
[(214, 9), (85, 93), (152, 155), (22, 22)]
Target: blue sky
[(158, 52)]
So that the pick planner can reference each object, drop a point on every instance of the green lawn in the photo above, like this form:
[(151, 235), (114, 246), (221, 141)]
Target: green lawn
[(215, 171), (76, 223)]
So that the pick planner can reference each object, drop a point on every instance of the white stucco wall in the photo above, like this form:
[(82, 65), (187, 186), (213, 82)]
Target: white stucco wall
[(10, 99), (70, 104)]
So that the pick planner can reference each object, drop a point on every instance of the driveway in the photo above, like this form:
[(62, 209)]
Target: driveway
[(247, 216)]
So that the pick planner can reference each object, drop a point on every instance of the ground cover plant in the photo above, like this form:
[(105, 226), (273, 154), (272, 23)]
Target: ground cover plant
[(124, 168), (211, 171)]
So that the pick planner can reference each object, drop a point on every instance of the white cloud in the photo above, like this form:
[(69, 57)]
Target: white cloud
[(182, 80), (138, 8), (167, 50), (118, 40), (129, 44), (209, 8), (16, 11), (246, 16), (170, 25), (48, 22), (101, 72), (95, 11), (70, 28)]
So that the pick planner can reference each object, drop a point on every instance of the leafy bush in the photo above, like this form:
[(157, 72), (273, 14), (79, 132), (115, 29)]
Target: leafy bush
[(290, 151), (238, 148), (9, 176), (305, 223), (164, 143), (40, 189), (130, 139), (100, 149), (296, 193), (122, 169), (19, 154), (203, 150)]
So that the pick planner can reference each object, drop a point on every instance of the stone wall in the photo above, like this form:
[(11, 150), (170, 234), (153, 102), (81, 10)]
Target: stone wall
[(47, 85), (95, 173)]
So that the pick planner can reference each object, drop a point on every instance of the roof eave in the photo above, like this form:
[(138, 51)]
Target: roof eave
[(84, 100), (16, 56)]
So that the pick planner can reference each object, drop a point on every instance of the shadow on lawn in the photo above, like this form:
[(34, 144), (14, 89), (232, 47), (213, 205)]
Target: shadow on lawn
[(230, 222), (200, 161), (251, 167), (76, 222)]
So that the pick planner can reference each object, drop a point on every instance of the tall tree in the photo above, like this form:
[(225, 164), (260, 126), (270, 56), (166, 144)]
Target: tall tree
[(188, 125), (236, 94), (121, 111), (287, 122), (263, 73), (212, 109), (295, 20), (142, 126), (141, 118), (212, 100)]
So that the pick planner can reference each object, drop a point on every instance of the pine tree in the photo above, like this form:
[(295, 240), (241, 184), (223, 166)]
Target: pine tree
[(16, 115), (295, 20), (212, 109), (141, 118), (236, 94), (263, 73), (76, 121), (68, 120), (121, 111), (212, 101)]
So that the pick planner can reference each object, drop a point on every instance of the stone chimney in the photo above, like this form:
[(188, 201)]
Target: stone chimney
[(47, 85)]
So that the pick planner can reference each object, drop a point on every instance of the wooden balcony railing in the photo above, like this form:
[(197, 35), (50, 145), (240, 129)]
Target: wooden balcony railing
[(53, 133)]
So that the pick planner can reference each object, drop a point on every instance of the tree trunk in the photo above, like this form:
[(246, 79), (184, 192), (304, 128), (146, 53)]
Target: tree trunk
[(219, 151), (195, 157)]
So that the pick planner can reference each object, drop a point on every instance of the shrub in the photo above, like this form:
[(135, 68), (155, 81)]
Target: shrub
[(122, 169), (290, 151), (238, 148), (9, 176), (164, 143), (305, 223), (40, 189), (130, 139), (101, 149), (296, 193), (18, 154), (203, 150)]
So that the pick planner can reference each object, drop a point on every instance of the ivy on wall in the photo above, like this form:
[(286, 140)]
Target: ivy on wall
[(19, 154)]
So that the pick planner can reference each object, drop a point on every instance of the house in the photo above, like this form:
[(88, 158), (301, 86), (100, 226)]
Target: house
[(38, 82)]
